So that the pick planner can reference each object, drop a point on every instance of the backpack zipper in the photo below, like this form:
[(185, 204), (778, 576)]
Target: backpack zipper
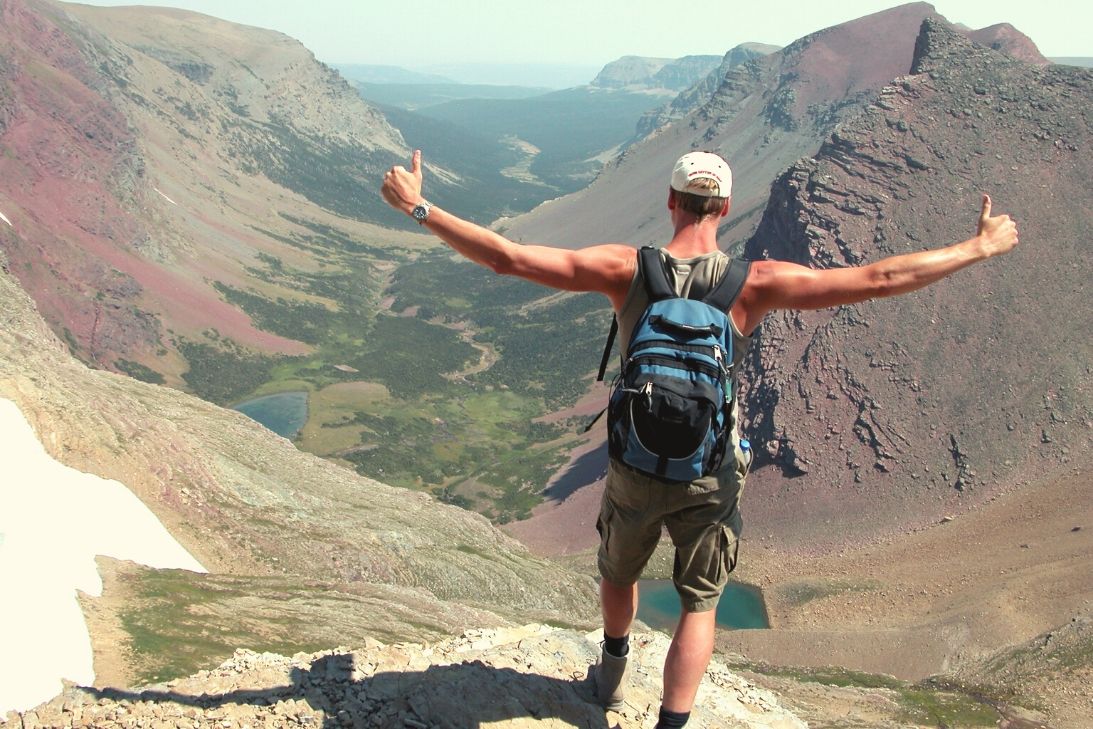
[(719, 357)]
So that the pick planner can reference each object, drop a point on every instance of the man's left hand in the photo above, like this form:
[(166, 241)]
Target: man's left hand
[(996, 234)]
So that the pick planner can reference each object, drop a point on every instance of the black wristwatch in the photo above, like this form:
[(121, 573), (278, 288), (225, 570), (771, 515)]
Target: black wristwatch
[(420, 212)]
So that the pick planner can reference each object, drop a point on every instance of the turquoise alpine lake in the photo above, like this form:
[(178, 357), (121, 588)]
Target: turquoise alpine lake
[(284, 413), (741, 606)]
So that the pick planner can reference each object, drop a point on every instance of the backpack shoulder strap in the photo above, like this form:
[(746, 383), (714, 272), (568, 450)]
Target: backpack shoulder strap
[(724, 294), (607, 354), (653, 274), (651, 267)]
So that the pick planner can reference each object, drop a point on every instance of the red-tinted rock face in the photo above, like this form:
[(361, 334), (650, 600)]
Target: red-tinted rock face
[(100, 112), (67, 151), (1007, 39), (862, 55), (891, 411)]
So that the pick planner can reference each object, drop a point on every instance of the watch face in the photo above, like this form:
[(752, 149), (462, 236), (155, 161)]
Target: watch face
[(420, 213)]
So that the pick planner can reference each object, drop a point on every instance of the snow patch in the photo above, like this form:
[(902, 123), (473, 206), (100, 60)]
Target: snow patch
[(5, 219), (164, 196), (54, 520)]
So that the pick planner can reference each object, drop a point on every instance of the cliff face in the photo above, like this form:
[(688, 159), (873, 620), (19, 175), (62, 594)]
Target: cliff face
[(976, 382)]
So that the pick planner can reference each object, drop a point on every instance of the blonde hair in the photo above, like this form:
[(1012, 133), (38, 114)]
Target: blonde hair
[(700, 205)]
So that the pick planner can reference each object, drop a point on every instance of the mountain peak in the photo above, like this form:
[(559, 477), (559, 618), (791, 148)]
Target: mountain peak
[(940, 43), (1007, 39)]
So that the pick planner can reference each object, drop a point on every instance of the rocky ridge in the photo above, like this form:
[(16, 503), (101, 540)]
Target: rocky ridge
[(267, 77), (764, 115), (660, 74), (507, 678), (694, 97), (922, 397)]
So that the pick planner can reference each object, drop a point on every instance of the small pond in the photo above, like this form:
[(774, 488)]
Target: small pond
[(741, 606), (284, 413)]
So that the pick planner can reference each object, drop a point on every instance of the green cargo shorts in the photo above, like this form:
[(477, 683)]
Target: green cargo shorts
[(703, 520)]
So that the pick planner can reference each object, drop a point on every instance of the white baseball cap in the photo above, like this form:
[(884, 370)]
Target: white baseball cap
[(698, 165)]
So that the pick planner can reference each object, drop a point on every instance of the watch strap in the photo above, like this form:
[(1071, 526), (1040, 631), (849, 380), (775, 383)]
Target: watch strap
[(420, 213)]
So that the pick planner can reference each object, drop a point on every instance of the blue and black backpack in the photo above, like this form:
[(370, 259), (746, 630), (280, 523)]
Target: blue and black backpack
[(670, 411)]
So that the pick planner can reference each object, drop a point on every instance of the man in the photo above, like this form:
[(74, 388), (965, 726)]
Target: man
[(702, 517)]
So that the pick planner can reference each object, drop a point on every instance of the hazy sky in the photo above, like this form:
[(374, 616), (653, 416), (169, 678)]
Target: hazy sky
[(592, 32)]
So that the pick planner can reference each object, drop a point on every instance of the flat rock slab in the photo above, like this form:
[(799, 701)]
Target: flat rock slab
[(505, 678)]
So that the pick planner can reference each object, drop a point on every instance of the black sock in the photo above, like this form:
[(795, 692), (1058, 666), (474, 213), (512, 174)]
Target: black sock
[(618, 647), (672, 719)]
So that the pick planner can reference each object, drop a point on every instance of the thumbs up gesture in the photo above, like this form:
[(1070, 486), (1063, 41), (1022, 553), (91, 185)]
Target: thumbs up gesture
[(996, 234), (401, 187)]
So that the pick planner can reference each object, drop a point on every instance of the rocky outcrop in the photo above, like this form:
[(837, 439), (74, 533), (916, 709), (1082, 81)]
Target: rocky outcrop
[(694, 96), (923, 398), (1052, 671), (506, 678), (661, 74)]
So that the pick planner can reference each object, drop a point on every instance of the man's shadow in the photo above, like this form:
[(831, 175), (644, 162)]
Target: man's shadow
[(461, 696)]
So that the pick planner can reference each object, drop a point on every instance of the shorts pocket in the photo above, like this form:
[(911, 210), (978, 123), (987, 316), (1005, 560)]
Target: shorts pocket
[(603, 525), (729, 548)]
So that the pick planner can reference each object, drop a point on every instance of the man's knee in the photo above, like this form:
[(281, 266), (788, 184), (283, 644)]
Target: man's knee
[(608, 584)]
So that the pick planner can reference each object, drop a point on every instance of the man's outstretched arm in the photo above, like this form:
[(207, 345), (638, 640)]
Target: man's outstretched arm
[(606, 269), (781, 285)]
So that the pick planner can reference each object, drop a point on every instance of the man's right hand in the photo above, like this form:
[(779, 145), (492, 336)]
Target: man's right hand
[(996, 235)]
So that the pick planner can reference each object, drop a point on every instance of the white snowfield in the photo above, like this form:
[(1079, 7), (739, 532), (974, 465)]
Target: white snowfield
[(5, 219), (54, 520)]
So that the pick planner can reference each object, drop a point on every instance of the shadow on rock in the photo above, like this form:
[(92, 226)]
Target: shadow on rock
[(334, 693), (586, 470)]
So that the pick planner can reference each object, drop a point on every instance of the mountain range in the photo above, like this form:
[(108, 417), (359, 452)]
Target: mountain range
[(125, 174), (904, 426), (194, 202)]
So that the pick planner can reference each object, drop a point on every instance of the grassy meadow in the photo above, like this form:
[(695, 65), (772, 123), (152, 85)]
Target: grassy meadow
[(427, 372)]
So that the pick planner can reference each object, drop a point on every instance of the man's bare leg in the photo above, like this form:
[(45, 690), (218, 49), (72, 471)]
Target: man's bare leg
[(619, 604), (688, 657)]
